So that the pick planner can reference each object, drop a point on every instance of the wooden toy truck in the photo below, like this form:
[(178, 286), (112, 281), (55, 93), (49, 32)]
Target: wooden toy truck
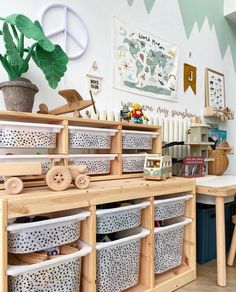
[(58, 178), (157, 167)]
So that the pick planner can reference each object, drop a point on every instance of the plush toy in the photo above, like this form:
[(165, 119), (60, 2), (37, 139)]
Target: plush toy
[(125, 113), (137, 114)]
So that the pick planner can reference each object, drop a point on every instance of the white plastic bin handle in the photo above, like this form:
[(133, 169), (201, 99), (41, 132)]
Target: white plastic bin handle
[(175, 199), (17, 270), (183, 222), (21, 226), (142, 205), (142, 233)]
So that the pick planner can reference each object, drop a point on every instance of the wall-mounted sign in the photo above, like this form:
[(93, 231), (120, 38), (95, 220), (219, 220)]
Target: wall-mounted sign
[(95, 79), (68, 23), (190, 77)]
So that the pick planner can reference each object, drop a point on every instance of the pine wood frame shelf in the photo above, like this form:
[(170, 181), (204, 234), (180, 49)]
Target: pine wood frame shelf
[(62, 140), (223, 115), (35, 201)]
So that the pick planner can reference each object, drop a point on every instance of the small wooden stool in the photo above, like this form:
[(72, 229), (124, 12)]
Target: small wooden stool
[(232, 251)]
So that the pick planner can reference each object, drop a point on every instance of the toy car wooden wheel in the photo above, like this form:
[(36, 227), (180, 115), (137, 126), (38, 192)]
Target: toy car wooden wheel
[(13, 186), (58, 178), (82, 181), (164, 177)]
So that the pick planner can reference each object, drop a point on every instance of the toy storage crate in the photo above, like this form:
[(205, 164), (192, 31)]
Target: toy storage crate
[(118, 219), (118, 261), (170, 207), (133, 162), (96, 163), (93, 138), (28, 135), (35, 236), (137, 139), (206, 230), (169, 244), (60, 274)]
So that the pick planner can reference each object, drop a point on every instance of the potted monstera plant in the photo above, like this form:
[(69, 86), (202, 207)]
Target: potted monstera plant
[(19, 92)]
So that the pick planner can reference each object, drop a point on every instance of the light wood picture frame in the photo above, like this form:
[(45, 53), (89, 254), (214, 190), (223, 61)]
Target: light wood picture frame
[(215, 89)]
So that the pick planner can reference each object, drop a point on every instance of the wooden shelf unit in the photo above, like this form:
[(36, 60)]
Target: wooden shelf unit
[(223, 115), (62, 140), (35, 201)]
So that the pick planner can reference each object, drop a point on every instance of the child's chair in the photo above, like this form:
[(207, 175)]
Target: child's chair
[(232, 251)]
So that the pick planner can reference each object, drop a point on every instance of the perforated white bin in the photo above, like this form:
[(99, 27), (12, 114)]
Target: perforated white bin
[(137, 139), (118, 261), (122, 218), (35, 236), (96, 163), (133, 162), (28, 135), (169, 245), (93, 138), (171, 206), (61, 274)]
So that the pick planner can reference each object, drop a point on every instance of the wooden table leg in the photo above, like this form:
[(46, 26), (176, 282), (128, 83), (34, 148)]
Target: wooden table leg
[(3, 246), (220, 241)]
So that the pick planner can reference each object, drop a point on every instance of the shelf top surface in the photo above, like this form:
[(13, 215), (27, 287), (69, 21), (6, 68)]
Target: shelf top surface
[(46, 118), (42, 200)]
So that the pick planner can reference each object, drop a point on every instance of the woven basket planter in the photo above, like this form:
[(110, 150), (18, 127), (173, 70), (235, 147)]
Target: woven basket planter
[(220, 164)]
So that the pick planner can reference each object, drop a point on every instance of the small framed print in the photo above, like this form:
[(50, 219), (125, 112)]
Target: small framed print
[(215, 89)]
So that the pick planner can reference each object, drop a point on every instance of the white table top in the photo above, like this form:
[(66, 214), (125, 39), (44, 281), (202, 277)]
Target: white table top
[(216, 181)]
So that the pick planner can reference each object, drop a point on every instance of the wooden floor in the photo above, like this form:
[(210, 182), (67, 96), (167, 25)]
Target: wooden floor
[(206, 280)]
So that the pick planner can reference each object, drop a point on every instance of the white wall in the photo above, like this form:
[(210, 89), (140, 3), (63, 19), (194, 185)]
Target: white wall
[(230, 9), (164, 21)]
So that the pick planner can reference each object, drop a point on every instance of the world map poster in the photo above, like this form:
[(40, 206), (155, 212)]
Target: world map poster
[(143, 63)]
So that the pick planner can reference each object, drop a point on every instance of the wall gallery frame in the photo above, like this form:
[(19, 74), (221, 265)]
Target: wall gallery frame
[(215, 89)]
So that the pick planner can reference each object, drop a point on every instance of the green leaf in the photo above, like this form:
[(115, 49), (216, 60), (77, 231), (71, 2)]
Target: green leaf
[(11, 19), (33, 31), (53, 64), (11, 50)]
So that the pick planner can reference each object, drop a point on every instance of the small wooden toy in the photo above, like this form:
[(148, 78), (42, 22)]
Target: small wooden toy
[(58, 178), (137, 114), (157, 167), (74, 100)]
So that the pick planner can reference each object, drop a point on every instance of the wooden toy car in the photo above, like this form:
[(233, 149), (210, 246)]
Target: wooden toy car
[(157, 167), (58, 178)]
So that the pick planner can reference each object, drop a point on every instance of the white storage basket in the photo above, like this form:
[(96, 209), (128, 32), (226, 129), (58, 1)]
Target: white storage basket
[(61, 274), (118, 261), (133, 162), (170, 207), (169, 245), (93, 138), (28, 135), (35, 236), (122, 218), (137, 139), (96, 163)]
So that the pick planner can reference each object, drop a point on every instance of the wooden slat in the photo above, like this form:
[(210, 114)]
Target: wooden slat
[(88, 235), (174, 279), (147, 251), (20, 168), (3, 246)]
